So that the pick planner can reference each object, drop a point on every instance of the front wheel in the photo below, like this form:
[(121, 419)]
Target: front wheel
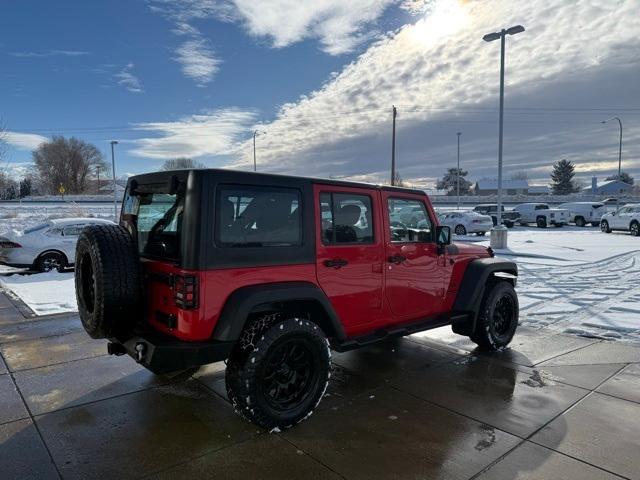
[(580, 222), (541, 222), (460, 230), (278, 380), (47, 262), (634, 229), (604, 227), (498, 317)]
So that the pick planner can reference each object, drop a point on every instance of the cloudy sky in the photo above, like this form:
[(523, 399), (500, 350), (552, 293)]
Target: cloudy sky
[(169, 78)]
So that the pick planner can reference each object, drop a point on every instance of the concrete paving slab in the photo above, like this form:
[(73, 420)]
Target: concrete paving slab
[(529, 346), (583, 376), (266, 456), (51, 350), (600, 430), (395, 435), (625, 384), (33, 329), (60, 386), (22, 454), (141, 433), (493, 394), (534, 462), (598, 354), (11, 406)]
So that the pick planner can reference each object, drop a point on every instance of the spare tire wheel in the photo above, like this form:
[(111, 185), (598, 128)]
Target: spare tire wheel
[(108, 281)]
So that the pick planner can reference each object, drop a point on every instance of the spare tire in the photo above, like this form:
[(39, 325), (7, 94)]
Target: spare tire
[(108, 281)]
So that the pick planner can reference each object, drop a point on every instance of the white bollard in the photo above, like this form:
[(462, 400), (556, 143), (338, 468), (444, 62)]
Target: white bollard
[(498, 237)]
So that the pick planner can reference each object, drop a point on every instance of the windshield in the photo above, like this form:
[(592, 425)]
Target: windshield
[(157, 220)]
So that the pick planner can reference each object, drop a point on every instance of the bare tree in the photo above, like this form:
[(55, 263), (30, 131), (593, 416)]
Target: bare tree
[(66, 163), (182, 163)]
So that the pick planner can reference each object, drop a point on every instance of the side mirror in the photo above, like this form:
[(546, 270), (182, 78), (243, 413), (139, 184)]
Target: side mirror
[(443, 235)]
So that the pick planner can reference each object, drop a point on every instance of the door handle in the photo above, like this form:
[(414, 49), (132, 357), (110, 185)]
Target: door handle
[(397, 259), (335, 263)]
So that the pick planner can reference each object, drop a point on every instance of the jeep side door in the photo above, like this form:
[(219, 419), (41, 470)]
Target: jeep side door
[(349, 249), (414, 280)]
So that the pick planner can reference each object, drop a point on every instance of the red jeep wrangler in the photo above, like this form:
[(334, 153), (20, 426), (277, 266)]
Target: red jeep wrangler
[(270, 272)]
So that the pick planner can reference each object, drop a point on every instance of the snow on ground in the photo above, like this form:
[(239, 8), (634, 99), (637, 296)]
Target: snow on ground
[(45, 293)]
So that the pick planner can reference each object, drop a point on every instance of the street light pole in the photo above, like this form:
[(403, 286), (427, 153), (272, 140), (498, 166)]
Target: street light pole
[(113, 169), (458, 179), (619, 146), (500, 231)]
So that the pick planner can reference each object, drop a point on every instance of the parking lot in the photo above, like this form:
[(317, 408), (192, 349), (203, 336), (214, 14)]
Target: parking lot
[(427, 406)]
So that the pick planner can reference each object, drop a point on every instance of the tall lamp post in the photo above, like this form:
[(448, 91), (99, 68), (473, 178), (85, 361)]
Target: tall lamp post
[(458, 179), (619, 147), (255, 134), (113, 169), (499, 232)]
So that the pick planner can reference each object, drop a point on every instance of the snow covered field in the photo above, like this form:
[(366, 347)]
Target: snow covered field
[(573, 280)]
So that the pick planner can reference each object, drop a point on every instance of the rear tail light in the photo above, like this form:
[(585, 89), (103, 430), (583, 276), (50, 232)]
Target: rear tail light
[(185, 291), (8, 244)]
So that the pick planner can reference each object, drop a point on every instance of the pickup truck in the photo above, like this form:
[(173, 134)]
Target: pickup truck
[(509, 217), (541, 214)]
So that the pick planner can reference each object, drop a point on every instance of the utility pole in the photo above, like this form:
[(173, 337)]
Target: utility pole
[(619, 146), (113, 168), (458, 182), (393, 147)]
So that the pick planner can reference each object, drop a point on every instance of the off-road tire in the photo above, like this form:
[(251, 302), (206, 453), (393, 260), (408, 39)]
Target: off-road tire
[(490, 331), (460, 230), (541, 222), (604, 226), (634, 229), (580, 222), (44, 262), (108, 281), (252, 363)]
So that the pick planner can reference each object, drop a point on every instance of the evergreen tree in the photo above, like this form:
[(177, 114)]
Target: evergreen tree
[(624, 177), (450, 181), (25, 187), (562, 178)]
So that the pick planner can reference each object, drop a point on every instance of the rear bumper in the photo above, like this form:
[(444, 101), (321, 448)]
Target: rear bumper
[(162, 354)]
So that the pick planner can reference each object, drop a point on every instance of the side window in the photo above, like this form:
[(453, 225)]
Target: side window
[(248, 216), (72, 230), (401, 231), (54, 232), (346, 218)]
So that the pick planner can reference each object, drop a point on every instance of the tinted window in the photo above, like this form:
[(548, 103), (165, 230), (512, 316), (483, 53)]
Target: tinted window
[(346, 218), (249, 216), (400, 231), (72, 230), (542, 207), (36, 228)]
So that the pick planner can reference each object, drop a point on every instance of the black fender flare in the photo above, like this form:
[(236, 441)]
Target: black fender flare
[(472, 288), (244, 300)]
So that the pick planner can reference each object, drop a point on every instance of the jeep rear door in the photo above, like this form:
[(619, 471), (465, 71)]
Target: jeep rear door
[(349, 248), (414, 279)]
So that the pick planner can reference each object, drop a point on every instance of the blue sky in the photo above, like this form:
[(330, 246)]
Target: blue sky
[(196, 77)]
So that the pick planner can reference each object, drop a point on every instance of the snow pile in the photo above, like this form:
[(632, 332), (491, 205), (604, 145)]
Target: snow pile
[(44, 293)]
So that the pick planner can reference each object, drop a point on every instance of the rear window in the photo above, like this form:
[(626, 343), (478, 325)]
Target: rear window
[(249, 216), (36, 228), (157, 218)]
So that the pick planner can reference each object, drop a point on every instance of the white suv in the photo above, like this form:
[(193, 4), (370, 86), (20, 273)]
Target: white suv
[(582, 213), (541, 214), (626, 218)]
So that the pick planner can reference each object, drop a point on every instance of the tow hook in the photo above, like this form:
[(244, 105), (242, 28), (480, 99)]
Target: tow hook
[(140, 351), (116, 349)]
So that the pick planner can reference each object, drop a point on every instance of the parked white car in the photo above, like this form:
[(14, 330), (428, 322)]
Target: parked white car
[(50, 245), (462, 223), (626, 218), (541, 214), (408, 215), (582, 213)]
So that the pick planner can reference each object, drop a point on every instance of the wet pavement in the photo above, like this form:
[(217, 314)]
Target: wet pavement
[(428, 406)]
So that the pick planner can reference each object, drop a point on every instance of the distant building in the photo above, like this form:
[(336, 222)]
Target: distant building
[(611, 187), (539, 190), (509, 187)]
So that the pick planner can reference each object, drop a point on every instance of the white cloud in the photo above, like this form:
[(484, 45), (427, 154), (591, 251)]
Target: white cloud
[(213, 133), (443, 77), (24, 141), (198, 60), (128, 80), (50, 53)]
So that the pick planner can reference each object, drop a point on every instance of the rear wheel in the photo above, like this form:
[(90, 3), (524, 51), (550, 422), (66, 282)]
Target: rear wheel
[(278, 378), (50, 261), (580, 222), (634, 228), (604, 226), (460, 230), (541, 222), (498, 317)]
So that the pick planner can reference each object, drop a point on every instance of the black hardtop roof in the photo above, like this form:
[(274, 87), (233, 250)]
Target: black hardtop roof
[(164, 176)]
